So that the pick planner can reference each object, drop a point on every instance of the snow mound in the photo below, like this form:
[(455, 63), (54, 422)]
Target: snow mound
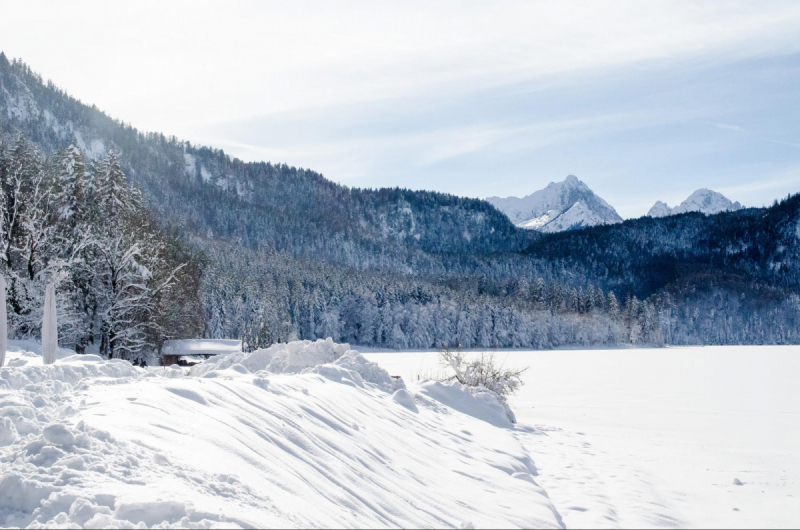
[(478, 402), (291, 357), (29, 352), (368, 371), (324, 357), (70, 370), (8, 433), (404, 398)]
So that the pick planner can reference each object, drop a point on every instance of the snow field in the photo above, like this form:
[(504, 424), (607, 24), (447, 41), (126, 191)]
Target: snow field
[(305, 434), (656, 438)]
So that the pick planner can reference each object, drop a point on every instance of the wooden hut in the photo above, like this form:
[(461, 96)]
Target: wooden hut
[(192, 351)]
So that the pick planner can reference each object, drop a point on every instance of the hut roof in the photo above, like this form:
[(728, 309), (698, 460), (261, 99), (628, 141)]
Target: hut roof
[(201, 347)]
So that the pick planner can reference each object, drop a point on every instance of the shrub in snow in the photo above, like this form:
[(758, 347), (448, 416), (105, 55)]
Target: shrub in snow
[(482, 372)]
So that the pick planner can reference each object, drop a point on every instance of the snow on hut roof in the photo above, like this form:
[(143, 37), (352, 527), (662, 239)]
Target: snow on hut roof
[(201, 347)]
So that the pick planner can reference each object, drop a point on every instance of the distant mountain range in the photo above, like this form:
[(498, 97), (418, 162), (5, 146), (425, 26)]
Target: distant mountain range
[(565, 205), (703, 200), (571, 204)]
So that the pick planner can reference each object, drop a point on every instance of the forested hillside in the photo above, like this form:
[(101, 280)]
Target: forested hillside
[(277, 252), (258, 205), (642, 255)]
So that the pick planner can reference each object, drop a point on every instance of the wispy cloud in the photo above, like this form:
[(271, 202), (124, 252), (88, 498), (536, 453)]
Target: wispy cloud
[(782, 182), (792, 144), (729, 127), (229, 66)]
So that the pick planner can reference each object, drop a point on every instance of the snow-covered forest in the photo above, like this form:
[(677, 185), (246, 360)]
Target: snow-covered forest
[(262, 252), (122, 284)]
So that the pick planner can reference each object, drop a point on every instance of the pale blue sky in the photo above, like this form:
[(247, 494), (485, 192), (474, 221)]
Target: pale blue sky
[(644, 101)]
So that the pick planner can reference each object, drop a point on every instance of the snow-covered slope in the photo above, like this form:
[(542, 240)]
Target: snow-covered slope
[(703, 200), (298, 435), (560, 206), (579, 215)]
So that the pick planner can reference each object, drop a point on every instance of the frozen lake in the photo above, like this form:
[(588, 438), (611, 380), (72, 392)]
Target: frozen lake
[(657, 437)]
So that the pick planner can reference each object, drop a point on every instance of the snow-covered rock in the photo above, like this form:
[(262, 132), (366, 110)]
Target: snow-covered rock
[(565, 205), (703, 200)]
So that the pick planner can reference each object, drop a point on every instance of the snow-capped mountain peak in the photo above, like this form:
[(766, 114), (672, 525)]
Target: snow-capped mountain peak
[(560, 206), (703, 200), (660, 209)]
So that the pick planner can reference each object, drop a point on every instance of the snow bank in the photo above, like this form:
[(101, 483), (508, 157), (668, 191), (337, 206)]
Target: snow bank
[(68, 371), (291, 357), (43, 448), (325, 357), (29, 352), (305, 434)]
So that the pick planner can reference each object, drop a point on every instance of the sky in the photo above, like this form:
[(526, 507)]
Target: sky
[(643, 101)]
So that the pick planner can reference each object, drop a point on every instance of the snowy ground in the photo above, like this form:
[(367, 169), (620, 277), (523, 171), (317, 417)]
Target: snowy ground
[(247, 441), (308, 435), (657, 437)]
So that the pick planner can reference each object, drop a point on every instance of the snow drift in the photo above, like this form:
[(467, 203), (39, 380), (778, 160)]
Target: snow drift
[(299, 434)]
